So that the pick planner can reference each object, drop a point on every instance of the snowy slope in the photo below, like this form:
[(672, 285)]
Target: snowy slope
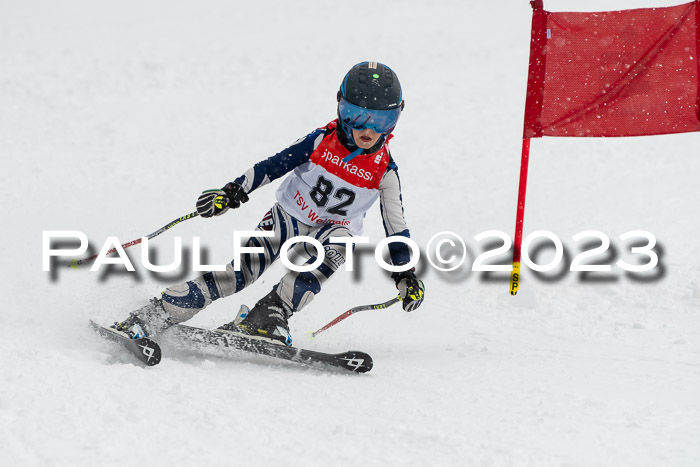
[(115, 115)]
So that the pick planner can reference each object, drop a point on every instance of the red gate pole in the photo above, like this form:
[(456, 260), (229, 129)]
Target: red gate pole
[(532, 127), (518, 239)]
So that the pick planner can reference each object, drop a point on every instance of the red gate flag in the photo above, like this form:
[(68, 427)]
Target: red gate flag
[(614, 73), (610, 73)]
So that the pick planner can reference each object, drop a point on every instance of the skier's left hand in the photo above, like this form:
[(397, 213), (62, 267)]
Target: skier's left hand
[(411, 290)]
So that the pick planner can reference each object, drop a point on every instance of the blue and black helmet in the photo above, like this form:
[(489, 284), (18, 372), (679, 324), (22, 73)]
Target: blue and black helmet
[(370, 97), (372, 85)]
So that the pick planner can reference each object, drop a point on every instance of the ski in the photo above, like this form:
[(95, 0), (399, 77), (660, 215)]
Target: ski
[(144, 348), (353, 360)]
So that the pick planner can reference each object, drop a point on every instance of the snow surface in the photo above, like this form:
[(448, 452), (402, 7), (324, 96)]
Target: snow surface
[(115, 115)]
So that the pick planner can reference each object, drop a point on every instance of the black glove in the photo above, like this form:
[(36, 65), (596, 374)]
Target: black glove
[(236, 195), (216, 202), (411, 290)]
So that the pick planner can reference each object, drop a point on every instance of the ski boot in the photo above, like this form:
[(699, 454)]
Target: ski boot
[(268, 319), (147, 321)]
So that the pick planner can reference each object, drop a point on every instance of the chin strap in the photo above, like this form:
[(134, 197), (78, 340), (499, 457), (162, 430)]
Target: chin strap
[(352, 155), (382, 139)]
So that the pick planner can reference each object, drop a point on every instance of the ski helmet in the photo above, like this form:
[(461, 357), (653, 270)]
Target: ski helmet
[(369, 97)]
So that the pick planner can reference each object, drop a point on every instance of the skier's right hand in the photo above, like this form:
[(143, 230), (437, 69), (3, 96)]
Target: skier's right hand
[(212, 203), (216, 202)]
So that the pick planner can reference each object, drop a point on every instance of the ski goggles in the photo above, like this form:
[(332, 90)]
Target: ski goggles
[(359, 118)]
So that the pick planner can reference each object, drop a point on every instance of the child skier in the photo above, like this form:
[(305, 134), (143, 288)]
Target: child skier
[(339, 171)]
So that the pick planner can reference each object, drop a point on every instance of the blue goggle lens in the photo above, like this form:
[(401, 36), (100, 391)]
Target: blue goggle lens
[(359, 118)]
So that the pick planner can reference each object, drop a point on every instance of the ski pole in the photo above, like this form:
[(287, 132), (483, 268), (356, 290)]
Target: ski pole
[(77, 262), (352, 311)]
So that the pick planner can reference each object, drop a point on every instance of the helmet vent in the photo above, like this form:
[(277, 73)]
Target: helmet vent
[(362, 76)]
